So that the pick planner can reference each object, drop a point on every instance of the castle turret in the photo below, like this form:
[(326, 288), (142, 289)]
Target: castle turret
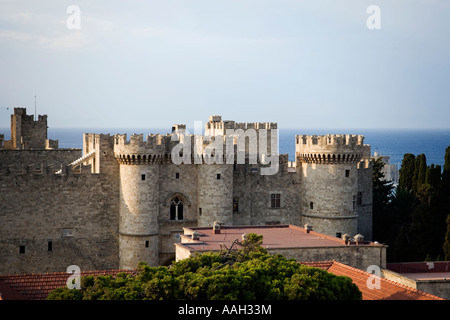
[(329, 191), (139, 193)]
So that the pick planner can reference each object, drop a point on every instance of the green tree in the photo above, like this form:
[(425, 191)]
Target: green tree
[(246, 272), (420, 170), (406, 172), (381, 196), (446, 246)]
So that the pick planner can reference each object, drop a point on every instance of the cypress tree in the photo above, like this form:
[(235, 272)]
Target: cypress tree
[(446, 245), (406, 172), (422, 170), (446, 176), (433, 176)]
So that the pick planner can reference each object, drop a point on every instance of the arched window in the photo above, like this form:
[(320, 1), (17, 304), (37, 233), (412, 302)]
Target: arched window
[(176, 209)]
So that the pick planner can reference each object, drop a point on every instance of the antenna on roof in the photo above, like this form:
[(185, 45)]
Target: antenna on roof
[(35, 108)]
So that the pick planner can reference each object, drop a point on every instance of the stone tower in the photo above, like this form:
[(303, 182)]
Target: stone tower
[(330, 194), (27, 133), (139, 163)]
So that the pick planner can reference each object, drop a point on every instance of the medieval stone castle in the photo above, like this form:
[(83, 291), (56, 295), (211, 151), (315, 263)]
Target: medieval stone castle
[(120, 201)]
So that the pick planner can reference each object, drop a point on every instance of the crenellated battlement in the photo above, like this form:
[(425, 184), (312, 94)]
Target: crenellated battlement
[(330, 140), (136, 150), (216, 126), (330, 148)]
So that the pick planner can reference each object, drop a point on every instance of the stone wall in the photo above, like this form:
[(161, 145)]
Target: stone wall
[(360, 257), (55, 158), (57, 221), (253, 193)]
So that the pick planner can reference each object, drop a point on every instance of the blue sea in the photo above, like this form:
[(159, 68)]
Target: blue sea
[(392, 142)]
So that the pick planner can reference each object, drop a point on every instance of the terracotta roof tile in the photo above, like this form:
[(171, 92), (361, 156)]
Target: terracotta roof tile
[(38, 286), (389, 290)]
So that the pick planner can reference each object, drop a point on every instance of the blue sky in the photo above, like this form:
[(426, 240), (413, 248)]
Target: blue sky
[(303, 64)]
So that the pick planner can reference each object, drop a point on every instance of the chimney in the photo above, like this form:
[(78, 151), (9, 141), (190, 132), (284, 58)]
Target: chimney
[(216, 227), (346, 237), (195, 235), (358, 238), (308, 228)]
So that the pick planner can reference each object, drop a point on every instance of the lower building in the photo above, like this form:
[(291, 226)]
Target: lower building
[(431, 277), (293, 242)]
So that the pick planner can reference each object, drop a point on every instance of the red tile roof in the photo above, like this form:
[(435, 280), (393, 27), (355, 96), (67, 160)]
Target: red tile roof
[(274, 237), (389, 290), (37, 286)]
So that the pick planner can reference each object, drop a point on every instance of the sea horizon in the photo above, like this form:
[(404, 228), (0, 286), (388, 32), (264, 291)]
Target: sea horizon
[(394, 142)]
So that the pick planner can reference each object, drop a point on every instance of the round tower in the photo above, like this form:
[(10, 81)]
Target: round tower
[(139, 193), (329, 190)]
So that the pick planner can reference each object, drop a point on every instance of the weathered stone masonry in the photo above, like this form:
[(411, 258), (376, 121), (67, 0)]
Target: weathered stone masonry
[(126, 201)]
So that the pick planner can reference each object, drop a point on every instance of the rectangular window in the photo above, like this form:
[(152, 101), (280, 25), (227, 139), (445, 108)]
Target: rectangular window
[(218, 176), (147, 243), (311, 205), (338, 234), (354, 202), (199, 211), (177, 175), (235, 204), (21, 249), (50, 246), (347, 173), (275, 200), (143, 177), (359, 198)]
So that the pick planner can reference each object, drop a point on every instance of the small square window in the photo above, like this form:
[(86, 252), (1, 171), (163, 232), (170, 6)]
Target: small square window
[(177, 175), (338, 234), (21, 249), (218, 176), (143, 177)]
